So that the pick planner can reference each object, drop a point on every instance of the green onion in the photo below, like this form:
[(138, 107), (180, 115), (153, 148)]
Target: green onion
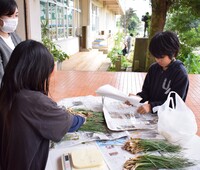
[(153, 162), (137, 145), (95, 121)]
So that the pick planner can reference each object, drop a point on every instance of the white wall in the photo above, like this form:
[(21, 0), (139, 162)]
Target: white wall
[(21, 31), (70, 46), (33, 19)]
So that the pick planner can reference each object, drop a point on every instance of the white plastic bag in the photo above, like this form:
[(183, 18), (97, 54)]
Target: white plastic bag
[(176, 123)]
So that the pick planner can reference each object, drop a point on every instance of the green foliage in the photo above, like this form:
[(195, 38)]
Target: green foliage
[(191, 5), (116, 53), (125, 62), (184, 19), (54, 49), (192, 63), (130, 21), (117, 49), (119, 40)]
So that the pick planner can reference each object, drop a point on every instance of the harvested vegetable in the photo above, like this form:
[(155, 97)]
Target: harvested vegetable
[(153, 162), (137, 145), (95, 120)]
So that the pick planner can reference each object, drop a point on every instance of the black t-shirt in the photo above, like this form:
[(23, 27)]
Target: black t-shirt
[(35, 120)]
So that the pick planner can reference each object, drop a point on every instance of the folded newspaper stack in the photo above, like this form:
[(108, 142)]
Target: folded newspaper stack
[(111, 92)]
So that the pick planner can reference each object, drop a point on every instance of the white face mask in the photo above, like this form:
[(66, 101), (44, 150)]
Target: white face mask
[(9, 25)]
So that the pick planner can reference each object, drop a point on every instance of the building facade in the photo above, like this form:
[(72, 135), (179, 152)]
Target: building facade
[(72, 24)]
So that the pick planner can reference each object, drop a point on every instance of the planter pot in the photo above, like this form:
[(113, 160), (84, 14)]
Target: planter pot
[(59, 65), (55, 66)]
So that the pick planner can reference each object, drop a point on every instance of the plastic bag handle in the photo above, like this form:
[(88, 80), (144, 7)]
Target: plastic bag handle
[(170, 99), (167, 102), (172, 102)]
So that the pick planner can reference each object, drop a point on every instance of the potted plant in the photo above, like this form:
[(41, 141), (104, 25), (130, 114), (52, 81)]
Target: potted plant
[(58, 54)]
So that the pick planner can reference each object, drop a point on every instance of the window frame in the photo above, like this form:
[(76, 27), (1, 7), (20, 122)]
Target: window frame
[(60, 26)]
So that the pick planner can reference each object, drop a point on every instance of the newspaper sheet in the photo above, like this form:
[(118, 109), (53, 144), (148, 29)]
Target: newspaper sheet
[(110, 144), (120, 117), (112, 92), (72, 139), (115, 156)]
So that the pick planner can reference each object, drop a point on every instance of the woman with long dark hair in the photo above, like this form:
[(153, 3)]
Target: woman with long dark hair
[(29, 119)]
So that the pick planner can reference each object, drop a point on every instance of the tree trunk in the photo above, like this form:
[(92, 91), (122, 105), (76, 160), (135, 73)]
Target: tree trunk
[(158, 18)]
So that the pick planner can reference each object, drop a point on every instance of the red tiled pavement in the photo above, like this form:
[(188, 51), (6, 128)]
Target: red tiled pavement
[(66, 84)]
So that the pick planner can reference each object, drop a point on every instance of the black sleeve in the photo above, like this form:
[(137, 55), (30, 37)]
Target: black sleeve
[(181, 84), (144, 94)]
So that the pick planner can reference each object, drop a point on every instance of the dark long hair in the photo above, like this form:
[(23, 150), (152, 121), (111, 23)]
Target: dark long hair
[(29, 67), (7, 7)]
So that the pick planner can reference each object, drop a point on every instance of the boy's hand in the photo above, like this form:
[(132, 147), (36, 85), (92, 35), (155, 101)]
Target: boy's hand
[(145, 108)]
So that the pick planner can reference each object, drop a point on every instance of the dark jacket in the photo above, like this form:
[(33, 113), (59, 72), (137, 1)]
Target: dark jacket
[(158, 83), (34, 120)]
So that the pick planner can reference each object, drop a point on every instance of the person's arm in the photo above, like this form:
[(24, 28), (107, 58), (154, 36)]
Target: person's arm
[(51, 122), (156, 103), (144, 94), (78, 121)]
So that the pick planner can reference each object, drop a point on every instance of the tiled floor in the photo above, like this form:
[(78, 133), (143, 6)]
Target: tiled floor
[(66, 84)]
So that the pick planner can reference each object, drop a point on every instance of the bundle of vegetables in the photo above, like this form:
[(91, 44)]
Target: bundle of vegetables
[(153, 162), (95, 120), (136, 145)]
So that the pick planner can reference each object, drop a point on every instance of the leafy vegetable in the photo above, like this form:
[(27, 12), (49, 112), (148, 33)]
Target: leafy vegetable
[(95, 121), (153, 162), (136, 145)]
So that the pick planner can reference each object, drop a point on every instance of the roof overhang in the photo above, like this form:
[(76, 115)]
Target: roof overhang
[(116, 6)]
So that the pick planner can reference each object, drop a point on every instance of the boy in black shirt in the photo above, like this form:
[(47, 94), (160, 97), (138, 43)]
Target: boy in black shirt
[(167, 74)]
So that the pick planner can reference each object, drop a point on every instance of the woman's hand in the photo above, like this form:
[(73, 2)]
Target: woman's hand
[(145, 108)]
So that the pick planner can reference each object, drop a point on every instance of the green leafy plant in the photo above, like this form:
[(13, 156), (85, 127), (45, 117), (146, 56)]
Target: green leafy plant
[(116, 52), (154, 162), (125, 62), (114, 55), (54, 49), (192, 63), (184, 19), (95, 120), (137, 145)]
